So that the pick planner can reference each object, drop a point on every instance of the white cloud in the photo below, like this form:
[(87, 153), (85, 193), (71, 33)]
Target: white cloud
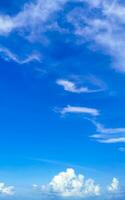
[(7, 190), (112, 140), (108, 135), (81, 110), (6, 25), (8, 55), (30, 23), (106, 29), (114, 186), (31, 16), (69, 184), (102, 129), (71, 86)]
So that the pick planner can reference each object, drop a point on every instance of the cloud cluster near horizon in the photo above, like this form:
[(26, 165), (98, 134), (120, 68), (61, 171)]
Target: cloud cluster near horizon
[(69, 184)]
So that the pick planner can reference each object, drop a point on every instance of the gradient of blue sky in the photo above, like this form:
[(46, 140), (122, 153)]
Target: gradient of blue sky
[(41, 42)]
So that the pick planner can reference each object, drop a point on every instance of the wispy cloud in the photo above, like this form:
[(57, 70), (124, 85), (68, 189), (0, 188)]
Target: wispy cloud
[(8, 55), (33, 15), (71, 86), (105, 30), (30, 23), (108, 135), (112, 140), (79, 110)]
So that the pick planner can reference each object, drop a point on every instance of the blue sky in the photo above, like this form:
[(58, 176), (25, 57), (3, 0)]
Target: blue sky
[(62, 76)]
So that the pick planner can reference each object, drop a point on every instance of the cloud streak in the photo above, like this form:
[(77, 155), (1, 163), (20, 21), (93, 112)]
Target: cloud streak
[(8, 55), (108, 135), (72, 87), (79, 110)]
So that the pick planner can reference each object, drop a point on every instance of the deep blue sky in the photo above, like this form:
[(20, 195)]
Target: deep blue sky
[(83, 44)]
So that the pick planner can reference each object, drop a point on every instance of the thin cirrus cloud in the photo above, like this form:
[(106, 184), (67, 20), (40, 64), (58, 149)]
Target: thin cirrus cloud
[(29, 23), (108, 135), (8, 55), (79, 110), (105, 29), (31, 16), (70, 184), (72, 87)]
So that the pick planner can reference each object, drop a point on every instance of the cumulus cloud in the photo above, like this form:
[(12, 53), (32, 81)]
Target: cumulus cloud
[(69, 184), (114, 186), (71, 86), (81, 110), (6, 190), (108, 135)]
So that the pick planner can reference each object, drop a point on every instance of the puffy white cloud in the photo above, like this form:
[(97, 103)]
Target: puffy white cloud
[(69, 184), (71, 86), (82, 110), (7, 190), (114, 186)]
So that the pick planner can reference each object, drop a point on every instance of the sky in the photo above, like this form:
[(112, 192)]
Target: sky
[(62, 99)]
